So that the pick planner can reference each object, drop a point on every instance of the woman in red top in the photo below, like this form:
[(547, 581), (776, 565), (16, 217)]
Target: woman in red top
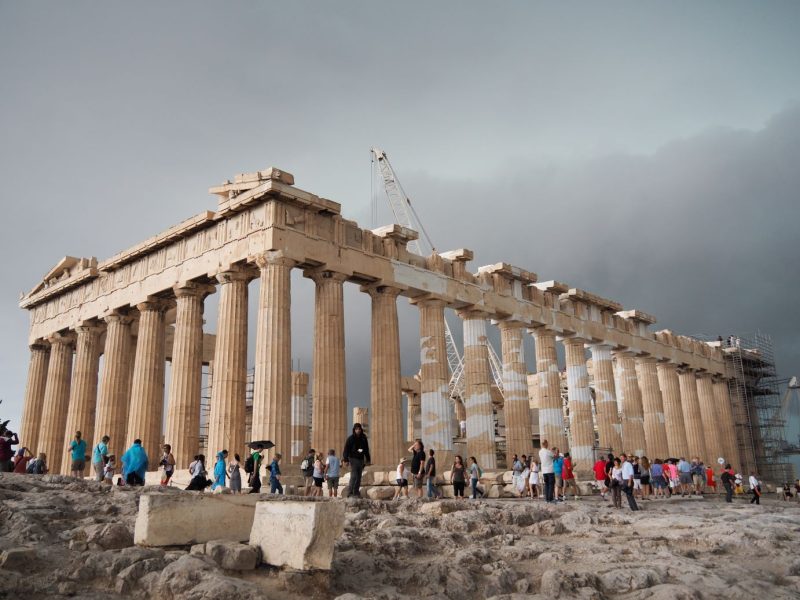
[(710, 481), (600, 476)]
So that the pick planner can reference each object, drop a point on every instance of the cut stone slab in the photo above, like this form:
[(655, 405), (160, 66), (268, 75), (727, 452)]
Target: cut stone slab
[(183, 519), (297, 534)]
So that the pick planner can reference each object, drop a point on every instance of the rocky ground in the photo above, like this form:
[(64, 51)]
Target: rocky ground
[(65, 538)]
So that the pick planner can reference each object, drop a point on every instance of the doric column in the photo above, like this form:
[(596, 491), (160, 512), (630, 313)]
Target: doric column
[(551, 410), (609, 428), (478, 391), (113, 400), (692, 419), (272, 393), (581, 426), (226, 419), (710, 419), (519, 438), (655, 431), (56, 400), (673, 412), (300, 429), (387, 399), (414, 420), (633, 440), (435, 405), (329, 396), (83, 390), (147, 389), (186, 374), (727, 425), (34, 396)]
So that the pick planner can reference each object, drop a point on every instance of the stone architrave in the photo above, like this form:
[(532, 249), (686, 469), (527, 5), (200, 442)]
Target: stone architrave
[(226, 421), (83, 390), (113, 399), (727, 424), (551, 409), (655, 431), (272, 393), (34, 396), (581, 427), (434, 403), (147, 386), (186, 374), (56, 401), (516, 407), (477, 391), (710, 419), (609, 428), (329, 396), (633, 439), (673, 413), (301, 434), (692, 418)]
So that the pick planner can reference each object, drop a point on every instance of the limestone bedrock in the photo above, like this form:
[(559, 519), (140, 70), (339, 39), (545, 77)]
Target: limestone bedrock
[(297, 534)]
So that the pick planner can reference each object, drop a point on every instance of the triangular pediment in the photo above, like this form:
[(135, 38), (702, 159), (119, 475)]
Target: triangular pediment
[(64, 269)]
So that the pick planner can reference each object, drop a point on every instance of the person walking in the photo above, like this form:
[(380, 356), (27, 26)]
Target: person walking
[(627, 480), (526, 474), (728, 477), (318, 475), (616, 483), (235, 474), (755, 488), (417, 450), (568, 477), (430, 475), (600, 478), (674, 477), (645, 478), (558, 472), (657, 478), (685, 475), (275, 475), (99, 457), (546, 460), (197, 469), (458, 477), (402, 480), (698, 476), (134, 464), (254, 478), (307, 467), (356, 454), (637, 481), (516, 474), (332, 470), (77, 450), (534, 480), (475, 474), (168, 464), (710, 481), (220, 470)]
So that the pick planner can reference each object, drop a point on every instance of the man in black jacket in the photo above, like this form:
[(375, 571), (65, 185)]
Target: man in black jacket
[(356, 454)]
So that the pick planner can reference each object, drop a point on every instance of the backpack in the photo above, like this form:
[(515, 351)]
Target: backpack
[(304, 465), (249, 464)]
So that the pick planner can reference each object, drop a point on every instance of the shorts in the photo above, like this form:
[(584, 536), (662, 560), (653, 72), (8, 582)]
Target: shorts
[(458, 488), (637, 484), (645, 479), (78, 465), (333, 482), (658, 483), (308, 480), (418, 481), (559, 480), (673, 483), (318, 481), (698, 480), (402, 483), (686, 478)]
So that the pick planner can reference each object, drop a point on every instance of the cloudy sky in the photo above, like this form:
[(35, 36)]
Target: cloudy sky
[(647, 152)]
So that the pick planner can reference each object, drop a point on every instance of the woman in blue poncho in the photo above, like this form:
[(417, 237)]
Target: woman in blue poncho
[(134, 464), (219, 470)]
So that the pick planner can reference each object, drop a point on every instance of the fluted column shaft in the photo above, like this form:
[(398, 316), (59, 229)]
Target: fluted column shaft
[(655, 431), (329, 396), (692, 419), (113, 399), (551, 410), (673, 412), (83, 390), (56, 401), (387, 398), (414, 422), (478, 392), (226, 421), (435, 405), (272, 393), (186, 375), (710, 418), (516, 407), (300, 429), (581, 426), (34, 396), (609, 428), (727, 424), (633, 439)]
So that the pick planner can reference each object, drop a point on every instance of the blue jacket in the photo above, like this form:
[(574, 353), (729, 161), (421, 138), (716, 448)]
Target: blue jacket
[(134, 461)]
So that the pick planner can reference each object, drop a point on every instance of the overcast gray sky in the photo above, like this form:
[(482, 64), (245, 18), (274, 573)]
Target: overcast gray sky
[(645, 151)]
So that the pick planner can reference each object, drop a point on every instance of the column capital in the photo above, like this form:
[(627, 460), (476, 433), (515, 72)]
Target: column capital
[(381, 290), (319, 276), (235, 273), (189, 289), (154, 305), (89, 327), (66, 339), (600, 347), (509, 324), (40, 345), (572, 340), (542, 332), (472, 313), (118, 316), (646, 358), (428, 301), (272, 257)]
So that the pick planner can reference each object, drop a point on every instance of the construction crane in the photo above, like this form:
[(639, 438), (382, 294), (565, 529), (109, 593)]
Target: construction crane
[(406, 216)]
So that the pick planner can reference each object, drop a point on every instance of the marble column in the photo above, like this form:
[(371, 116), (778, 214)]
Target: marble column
[(34, 396), (519, 437), (551, 409), (272, 388), (435, 404), (226, 421), (186, 374), (633, 440), (692, 419), (147, 388), (655, 431), (56, 401), (83, 390), (673, 412), (113, 399), (581, 425), (727, 424), (300, 428), (609, 428), (414, 421), (710, 420), (329, 396), (477, 391), (386, 396)]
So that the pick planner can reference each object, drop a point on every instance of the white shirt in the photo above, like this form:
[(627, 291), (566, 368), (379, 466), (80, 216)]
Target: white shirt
[(546, 458), (627, 471), (402, 472), (753, 482)]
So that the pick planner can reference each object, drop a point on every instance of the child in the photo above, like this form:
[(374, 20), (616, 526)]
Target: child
[(108, 469)]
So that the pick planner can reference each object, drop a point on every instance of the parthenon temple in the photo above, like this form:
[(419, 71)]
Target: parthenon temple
[(629, 388)]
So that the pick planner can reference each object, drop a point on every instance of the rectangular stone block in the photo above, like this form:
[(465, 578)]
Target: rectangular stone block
[(171, 519), (297, 534)]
